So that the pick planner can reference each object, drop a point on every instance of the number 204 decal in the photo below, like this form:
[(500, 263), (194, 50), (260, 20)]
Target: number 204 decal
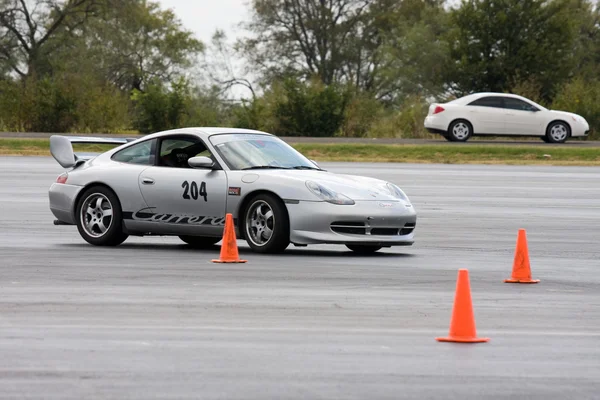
[(191, 189)]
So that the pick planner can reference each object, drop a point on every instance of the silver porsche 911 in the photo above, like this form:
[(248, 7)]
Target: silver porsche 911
[(183, 182)]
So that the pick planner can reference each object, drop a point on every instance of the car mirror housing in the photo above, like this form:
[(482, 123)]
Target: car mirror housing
[(200, 162)]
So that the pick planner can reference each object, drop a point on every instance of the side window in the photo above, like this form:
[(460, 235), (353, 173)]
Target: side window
[(516, 104), (174, 152), (491, 101), (141, 153)]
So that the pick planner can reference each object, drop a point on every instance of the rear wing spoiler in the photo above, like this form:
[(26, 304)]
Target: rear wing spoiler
[(61, 148)]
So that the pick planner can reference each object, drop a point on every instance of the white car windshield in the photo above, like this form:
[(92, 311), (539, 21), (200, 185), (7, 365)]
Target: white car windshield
[(256, 151)]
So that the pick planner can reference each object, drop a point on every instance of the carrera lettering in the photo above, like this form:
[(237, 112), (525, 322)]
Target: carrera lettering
[(218, 221), (145, 215)]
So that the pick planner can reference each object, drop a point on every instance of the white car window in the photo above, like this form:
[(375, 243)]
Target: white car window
[(488, 101), (140, 153), (175, 152), (516, 104)]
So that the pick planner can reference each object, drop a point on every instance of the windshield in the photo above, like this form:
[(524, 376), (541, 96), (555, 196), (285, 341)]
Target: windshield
[(253, 151)]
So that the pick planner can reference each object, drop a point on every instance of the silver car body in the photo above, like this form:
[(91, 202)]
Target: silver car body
[(159, 200)]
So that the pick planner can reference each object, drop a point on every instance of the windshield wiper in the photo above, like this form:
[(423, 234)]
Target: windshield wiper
[(264, 167), (306, 167)]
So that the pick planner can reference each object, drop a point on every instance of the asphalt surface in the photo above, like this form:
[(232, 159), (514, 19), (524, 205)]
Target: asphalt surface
[(153, 319), (477, 140)]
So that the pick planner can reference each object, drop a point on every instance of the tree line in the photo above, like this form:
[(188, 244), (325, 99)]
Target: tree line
[(360, 68)]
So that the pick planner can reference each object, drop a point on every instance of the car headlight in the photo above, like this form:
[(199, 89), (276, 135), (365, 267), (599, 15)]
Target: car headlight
[(328, 195), (397, 192)]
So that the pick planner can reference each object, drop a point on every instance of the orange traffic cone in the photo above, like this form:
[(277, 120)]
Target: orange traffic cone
[(521, 272), (462, 324), (229, 249)]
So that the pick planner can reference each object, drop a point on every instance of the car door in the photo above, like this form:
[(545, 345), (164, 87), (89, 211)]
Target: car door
[(522, 118), (132, 161), (183, 200), (487, 114)]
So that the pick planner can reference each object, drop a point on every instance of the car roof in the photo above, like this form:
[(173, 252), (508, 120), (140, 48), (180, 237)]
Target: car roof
[(474, 96), (205, 132)]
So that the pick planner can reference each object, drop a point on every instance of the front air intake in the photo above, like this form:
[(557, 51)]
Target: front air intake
[(349, 227), (408, 228)]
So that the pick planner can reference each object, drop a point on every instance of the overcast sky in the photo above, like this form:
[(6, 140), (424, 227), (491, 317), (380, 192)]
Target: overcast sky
[(205, 16)]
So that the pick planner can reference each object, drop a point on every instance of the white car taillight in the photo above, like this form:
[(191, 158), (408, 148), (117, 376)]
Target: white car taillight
[(438, 109)]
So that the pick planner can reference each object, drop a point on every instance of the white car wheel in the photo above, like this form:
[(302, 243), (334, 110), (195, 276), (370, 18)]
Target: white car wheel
[(265, 224), (558, 132), (99, 217), (460, 131)]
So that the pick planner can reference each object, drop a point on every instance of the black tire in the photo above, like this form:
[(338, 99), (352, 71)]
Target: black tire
[(278, 222), (545, 139), (363, 248), (561, 128), (200, 242), (460, 131), (92, 232)]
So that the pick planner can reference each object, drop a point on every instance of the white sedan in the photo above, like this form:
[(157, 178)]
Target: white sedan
[(499, 114)]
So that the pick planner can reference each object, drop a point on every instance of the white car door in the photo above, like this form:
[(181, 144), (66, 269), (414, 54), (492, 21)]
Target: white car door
[(522, 118), (183, 200), (487, 115)]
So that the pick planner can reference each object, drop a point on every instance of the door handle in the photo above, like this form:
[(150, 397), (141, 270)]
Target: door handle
[(148, 181)]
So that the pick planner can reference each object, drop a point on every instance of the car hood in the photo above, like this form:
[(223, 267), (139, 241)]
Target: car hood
[(358, 188)]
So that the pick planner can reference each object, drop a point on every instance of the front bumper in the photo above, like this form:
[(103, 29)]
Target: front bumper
[(62, 201), (581, 130), (382, 223)]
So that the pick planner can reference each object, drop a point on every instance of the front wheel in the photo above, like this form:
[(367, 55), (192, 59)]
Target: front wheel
[(200, 242), (266, 225), (459, 131), (363, 249), (99, 217), (557, 132)]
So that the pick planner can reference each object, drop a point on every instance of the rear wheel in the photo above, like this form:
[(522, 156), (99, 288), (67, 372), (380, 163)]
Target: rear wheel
[(363, 249), (99, 217), (266, 225), (200, 242), (459, 131)]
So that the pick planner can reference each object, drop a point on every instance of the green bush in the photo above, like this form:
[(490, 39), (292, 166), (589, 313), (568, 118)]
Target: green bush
[(62, 103), (10, 110), (103, 109), (158, 109), (407, 122), (581, 97), (362, 112), (310, 109)]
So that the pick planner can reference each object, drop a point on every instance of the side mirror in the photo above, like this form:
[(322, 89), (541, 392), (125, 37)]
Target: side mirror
[(200, 162)]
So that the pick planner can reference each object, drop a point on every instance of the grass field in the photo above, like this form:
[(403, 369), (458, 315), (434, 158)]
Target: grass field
[(409, 153)]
